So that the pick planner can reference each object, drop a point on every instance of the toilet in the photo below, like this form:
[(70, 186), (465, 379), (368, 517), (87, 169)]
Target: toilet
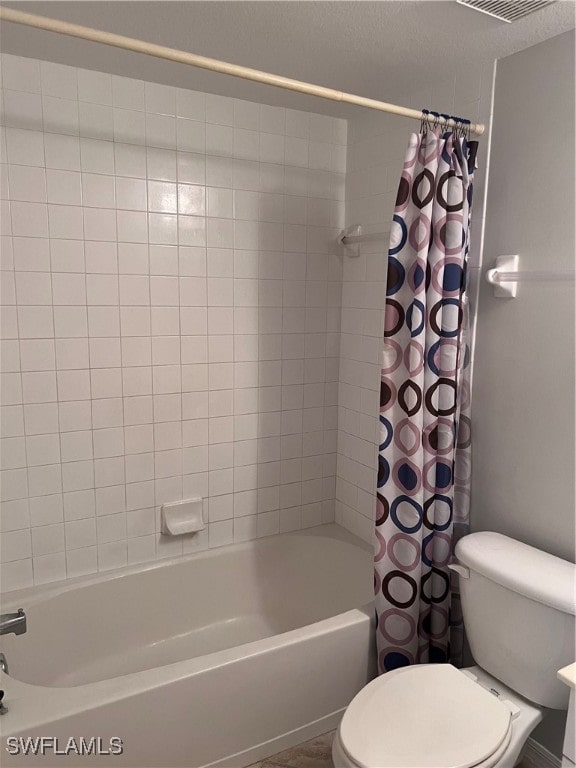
[(519, 610)]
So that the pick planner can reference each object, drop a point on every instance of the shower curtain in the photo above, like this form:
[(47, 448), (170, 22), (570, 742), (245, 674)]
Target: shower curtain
[(424, 452)]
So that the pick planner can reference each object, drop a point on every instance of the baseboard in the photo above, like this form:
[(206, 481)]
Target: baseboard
[(280, 743), (538, 756)]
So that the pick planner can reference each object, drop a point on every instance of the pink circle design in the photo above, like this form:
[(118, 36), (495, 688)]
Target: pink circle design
[(408, 541), (438, 275), (379, 546), (444, 437), (439, 559), (429, 149), (414, 357), (390, 344), (396, 618), (450, 227), (446, 347), (419, 233), (407, 431), (463, 470), (392, 318)]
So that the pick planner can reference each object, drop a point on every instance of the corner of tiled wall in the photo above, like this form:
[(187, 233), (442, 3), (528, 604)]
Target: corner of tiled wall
[(170, 325)]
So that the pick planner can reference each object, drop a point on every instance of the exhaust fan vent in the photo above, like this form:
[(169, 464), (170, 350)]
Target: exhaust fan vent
[(506, 10)]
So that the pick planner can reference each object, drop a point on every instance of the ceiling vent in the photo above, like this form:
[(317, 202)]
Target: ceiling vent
[(506, 10)]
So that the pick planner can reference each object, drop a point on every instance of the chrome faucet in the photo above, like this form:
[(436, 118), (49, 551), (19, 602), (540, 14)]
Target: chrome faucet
[(14, 623)]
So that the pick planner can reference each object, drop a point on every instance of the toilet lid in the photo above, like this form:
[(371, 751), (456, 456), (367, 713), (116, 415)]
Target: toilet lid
[(426, 715)]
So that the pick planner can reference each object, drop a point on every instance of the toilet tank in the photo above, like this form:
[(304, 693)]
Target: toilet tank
[(519, 607)]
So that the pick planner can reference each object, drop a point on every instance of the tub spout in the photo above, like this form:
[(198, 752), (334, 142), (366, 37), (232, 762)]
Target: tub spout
[(14, 623)]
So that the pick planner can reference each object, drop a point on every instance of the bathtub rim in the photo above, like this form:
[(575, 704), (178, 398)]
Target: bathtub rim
[(67, 701)]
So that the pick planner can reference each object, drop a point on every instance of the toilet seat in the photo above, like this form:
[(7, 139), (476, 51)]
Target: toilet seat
[(429, 715)]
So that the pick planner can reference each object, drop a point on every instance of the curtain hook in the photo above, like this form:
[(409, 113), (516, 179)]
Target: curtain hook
[(424, 122), (456, 126), (462, 128), (446, 118)]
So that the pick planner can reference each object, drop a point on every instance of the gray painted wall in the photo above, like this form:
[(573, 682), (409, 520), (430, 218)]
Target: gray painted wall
[(523, 395)]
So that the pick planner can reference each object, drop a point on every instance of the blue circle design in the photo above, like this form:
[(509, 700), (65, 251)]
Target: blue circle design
[(419, 276), (399, 220), (431, 358), (389, 433), (383, 471), (425, 559), (443, 475), (393, 513), (407, 477), (409, 315), (452, 278), (397, 274), (394, 659)]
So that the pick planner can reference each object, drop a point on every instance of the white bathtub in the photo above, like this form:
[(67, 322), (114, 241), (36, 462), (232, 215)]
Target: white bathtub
[(221, 658)]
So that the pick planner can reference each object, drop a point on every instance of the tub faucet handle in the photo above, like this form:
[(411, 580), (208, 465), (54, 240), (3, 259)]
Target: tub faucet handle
[(3, 708)]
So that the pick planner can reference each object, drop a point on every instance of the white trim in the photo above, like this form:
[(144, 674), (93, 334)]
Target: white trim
[(539, 757), (285, 741)]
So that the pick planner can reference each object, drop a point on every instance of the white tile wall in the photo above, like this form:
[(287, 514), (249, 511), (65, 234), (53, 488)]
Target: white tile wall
[(376, 148), (170, 318)]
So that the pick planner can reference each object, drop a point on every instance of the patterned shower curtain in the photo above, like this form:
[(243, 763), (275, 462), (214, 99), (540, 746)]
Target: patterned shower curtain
[(424, 454)]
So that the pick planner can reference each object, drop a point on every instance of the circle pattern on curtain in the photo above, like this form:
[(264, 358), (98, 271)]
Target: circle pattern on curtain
[(423, 463)]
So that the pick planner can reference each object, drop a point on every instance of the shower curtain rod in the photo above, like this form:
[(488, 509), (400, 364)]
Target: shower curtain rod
[(203, 62)]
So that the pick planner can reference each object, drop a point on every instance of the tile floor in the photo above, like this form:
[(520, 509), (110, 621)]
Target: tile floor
[(316, 753)]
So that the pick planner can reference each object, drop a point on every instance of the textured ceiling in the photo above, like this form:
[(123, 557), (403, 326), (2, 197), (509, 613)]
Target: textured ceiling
[(377, 49)]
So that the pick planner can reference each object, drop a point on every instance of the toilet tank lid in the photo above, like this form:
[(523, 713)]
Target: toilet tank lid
[(521, 568)]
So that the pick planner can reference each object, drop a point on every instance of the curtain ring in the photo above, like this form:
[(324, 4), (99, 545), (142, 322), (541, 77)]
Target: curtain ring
[(460, 131), (435, 123), (424, 122), (456, 127)]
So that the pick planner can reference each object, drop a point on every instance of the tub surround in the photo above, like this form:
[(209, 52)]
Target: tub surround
[(170, 319)]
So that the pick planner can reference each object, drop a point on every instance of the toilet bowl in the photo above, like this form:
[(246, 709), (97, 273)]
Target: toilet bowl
[(434, 716), (519, 613)]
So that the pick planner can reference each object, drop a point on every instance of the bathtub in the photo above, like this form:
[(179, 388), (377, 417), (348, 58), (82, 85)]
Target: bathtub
[(221, 658)]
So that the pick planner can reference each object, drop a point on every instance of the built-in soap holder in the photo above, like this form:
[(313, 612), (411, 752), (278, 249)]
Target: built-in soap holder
[(180, 517)]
